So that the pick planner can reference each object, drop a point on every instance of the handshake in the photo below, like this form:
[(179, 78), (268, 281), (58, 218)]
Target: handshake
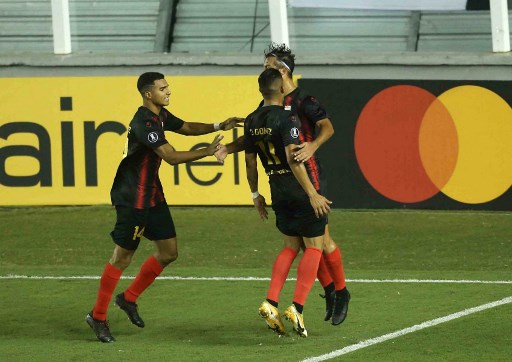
[(217, 149), (220, 151)]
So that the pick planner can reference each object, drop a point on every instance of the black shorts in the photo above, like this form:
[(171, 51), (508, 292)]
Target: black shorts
[(154, 223), (294, 214)]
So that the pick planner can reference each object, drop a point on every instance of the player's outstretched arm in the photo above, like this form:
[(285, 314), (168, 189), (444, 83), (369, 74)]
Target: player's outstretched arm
[(252, 178), (306, 150), (320, 204), (197, 128), (235, 146), (173, 157), (231, 123)]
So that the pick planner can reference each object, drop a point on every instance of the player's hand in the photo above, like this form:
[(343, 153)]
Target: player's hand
[(320, 204), (212, 147), (231, 123), (221, 153), (304, 151), (259, 204)]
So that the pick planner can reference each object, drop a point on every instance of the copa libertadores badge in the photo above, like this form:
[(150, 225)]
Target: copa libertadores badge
[(153, 137), (294, 132)]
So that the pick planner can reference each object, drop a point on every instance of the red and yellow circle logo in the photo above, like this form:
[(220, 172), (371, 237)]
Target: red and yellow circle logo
[(410, 144)]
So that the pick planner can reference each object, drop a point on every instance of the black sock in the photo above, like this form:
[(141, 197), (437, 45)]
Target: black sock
[(299, 307), (328, 289), (341, 293), (272, 302)]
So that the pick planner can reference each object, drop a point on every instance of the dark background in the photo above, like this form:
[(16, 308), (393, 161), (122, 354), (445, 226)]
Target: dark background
[(343, 181)]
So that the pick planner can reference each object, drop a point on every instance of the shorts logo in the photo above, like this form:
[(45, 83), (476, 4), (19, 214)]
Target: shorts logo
[(294, 132), (287, 108), (153, 137)]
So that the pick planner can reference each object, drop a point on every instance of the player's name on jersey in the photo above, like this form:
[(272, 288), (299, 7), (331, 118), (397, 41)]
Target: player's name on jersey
[(261, 131)]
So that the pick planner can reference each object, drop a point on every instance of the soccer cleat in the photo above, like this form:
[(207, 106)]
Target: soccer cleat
[(272, 317), (340, 307), (329, 304), (297, 320), (130, 309), (100, 328)]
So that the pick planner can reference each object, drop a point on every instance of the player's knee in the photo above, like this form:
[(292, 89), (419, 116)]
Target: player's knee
[(121, 261), (168, 258), (329, 245)]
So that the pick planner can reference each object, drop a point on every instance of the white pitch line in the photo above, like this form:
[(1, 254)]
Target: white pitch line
[(402, 332), (95, 277), (460, 281)]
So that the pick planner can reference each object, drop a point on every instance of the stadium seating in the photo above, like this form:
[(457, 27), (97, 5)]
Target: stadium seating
[(203, 26), (231, 25), (96, 26), (238, 25), (456, 31)]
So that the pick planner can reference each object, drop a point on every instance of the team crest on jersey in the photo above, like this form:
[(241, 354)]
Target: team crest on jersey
[(153, 137), (294, 132)]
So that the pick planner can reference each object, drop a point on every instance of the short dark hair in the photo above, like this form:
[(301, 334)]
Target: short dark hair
[(270, 81), (283, 54), (147, 80)]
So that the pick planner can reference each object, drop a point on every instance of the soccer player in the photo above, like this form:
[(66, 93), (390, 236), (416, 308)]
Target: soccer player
[(272, 133), (138, 197), (316, 128)]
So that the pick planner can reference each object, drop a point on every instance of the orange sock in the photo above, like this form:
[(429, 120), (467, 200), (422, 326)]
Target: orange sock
[(306, 273), (147, 275), (280, 271), (108, 283), (335, 265), (323, 275)]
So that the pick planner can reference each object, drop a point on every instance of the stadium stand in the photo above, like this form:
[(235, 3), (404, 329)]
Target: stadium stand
[(456, 31), (96, 26), (243, 26), (204, 26), (234, 25), (240, 26)]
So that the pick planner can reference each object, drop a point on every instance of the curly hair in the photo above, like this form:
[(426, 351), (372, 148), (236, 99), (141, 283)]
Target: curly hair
[(283, 54)]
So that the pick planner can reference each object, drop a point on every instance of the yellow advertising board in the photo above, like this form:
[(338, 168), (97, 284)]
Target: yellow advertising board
[(61, 139)]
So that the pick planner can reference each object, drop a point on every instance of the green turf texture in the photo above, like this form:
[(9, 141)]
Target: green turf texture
[(189, 320)]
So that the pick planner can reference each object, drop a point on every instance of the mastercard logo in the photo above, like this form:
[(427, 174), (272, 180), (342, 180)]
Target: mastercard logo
[(410, 145)]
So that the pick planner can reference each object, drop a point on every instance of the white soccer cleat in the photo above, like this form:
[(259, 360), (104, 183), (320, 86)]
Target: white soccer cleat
[(272, 317)]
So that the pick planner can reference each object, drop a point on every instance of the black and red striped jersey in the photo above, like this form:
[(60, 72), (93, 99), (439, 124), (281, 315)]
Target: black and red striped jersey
[(137, 183), (309, 110)]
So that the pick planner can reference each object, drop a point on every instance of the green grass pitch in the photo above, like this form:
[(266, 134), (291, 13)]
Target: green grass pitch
[(217, 320)]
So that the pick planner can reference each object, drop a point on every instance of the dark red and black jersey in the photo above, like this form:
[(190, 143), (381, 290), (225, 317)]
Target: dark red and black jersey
[(309, 111), (137, 183)]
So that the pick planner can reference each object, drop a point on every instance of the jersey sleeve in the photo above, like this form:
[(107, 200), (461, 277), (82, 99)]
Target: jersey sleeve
[(148, 133), (313, 110), (171, 122), (289, 128), (249, 145)]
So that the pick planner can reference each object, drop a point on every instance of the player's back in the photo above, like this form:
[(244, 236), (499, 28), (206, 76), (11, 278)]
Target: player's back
[(268, 131)]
